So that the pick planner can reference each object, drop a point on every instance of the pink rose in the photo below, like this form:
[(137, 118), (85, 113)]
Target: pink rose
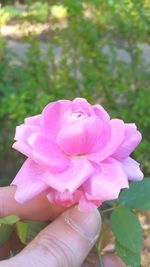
[(76, 154)]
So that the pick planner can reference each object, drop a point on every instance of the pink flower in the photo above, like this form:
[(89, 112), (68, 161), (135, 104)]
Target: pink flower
[(76, 154)]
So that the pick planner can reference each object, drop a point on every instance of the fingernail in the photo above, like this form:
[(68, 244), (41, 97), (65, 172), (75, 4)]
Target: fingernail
[(87, 224)]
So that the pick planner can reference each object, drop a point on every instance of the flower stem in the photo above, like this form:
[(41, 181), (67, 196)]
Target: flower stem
[(99, 256), (110, 209)]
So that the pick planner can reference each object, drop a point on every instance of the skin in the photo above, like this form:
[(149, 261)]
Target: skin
[(65, 242)]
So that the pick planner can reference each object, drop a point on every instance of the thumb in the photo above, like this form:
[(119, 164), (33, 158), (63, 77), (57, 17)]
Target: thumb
[(65, 242)]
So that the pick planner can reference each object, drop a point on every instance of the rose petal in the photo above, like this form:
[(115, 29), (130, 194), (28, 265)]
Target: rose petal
[(101, 112), (107, 182), (70, 179), (80, 136), (23, 148), (106, 128), (131, 140), (132, 169), (65, 198), (28, 181), (82, 105), (47, 152), (24, 131), (34, 120), (52, 116), (116, 138)]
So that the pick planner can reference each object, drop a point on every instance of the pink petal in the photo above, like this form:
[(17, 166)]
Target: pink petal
[(52, 115), (80, 136), (107, 182), (70, 179), (29, 181), (65, 198), (23, 131), (47, 153), (116, 138), (131, 140), (82, 105), (34, 120), (23, 148), (101, 112), (106, 128), (132, 169)]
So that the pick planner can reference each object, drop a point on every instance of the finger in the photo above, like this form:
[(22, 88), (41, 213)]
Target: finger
[(112, 260), (39, 208), (109, 260), (65, 242)]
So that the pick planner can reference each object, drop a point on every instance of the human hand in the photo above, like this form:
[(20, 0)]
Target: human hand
[(65, 242)]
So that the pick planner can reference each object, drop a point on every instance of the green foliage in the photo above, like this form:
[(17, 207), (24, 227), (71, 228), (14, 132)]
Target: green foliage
[(7, 227), (128, 256), (128, 233), (27, 230), (137, 197), (126, 229), (37, 11), (7, 13), (9, 220), (125, 224), (22, 230), (5, 233)]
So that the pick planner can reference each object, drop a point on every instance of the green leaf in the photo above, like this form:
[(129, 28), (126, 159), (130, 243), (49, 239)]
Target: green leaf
[(34, 228), (28, 230), (5, 233), (138, 196), (129, 257), (126, 229), (11, 219), (7, 226), (22, 231)]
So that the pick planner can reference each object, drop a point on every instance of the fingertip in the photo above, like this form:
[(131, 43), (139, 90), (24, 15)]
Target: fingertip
[(112, 260), (87, 224), (38, 208)]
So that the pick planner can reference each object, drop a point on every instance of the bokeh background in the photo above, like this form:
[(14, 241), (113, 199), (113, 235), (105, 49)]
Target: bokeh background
[(51, 50), (97, 49)]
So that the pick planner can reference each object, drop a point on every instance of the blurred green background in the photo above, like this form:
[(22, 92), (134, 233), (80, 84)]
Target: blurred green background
[(51, 50)]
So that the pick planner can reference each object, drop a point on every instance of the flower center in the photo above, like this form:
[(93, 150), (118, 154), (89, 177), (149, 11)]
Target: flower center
[(78, 116)]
